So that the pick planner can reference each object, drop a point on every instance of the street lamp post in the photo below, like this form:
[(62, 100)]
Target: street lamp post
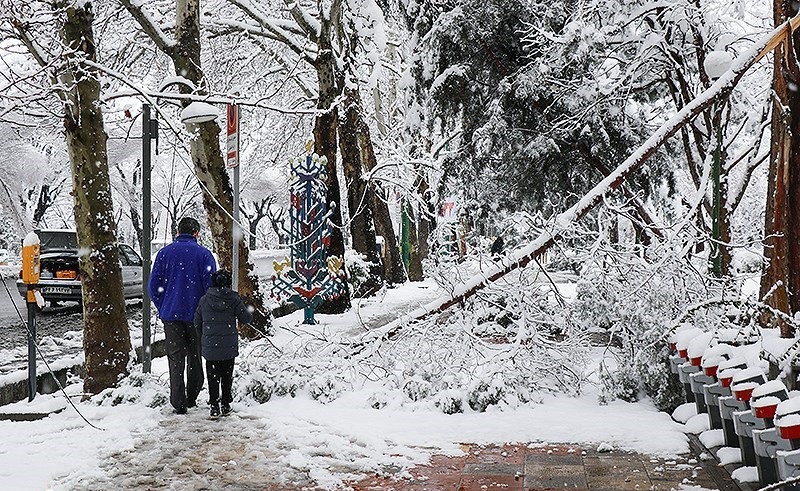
[(149, 131)]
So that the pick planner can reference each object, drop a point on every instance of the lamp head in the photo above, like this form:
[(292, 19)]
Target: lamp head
[(198, 112)]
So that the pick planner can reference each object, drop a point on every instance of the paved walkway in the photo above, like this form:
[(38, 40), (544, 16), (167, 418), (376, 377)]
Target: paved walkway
[(546, 468)]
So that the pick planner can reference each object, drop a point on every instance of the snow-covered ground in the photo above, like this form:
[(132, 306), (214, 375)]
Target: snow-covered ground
[(293, 439)]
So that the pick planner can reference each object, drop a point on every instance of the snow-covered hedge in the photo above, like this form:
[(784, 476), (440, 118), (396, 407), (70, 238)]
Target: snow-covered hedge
[(505, 347)]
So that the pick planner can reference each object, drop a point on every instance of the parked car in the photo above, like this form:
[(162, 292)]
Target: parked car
[(60, 278)]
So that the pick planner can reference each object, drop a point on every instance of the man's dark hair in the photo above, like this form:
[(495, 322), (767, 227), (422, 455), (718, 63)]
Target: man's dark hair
[(188, 225), (221, 278)]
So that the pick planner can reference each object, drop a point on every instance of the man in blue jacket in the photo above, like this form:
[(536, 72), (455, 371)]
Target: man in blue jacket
[(181, 275)]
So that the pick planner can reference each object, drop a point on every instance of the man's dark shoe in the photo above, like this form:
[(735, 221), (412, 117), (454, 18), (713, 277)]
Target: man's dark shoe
[(214, 411), (180, 410), (191, 403), (226, 409)]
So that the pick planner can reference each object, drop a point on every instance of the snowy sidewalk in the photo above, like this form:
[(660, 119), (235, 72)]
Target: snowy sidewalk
[(298, 442)]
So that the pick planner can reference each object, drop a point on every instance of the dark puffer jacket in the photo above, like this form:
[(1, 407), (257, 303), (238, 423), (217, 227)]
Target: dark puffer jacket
[(215, 320)]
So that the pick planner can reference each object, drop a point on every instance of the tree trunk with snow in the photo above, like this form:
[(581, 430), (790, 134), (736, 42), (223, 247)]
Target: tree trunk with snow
[(106, 338), (355, 127)]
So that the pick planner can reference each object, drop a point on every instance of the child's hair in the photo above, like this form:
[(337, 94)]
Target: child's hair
[(221, 278)]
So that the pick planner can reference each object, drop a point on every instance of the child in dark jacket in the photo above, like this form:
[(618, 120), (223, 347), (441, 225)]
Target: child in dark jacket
[(215, 321)]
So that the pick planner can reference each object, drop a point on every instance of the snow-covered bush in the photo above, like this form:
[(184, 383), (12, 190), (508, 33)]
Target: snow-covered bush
[(357, 270), (504, 347), (450, 401), (137, 388), (481, 395), (634, 301), (417, 388), (258, 387), (326, 387)]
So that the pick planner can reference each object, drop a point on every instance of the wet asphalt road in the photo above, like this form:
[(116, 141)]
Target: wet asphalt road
[(52, 321)]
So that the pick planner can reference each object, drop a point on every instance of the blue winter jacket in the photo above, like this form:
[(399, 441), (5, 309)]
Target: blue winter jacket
[(181, 275)]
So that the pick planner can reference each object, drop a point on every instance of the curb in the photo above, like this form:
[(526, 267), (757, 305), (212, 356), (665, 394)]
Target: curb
[(18, 391), (721, 474)]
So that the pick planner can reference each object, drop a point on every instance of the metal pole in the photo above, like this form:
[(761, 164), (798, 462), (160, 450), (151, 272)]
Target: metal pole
[(236, 235), (146, 233), (31, 346)]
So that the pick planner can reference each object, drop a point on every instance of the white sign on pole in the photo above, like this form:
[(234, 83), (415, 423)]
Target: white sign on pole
[(233, 135), (449, 210)]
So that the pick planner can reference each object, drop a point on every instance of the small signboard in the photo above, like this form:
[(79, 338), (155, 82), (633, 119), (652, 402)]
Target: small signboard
[(233, 135), (449, 210)]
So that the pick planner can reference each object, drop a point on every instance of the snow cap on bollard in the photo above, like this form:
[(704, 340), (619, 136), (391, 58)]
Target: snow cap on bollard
[(743, 391), (745, 381), (726, 376), (713, 356), (673, 338), (682, 339), (787, 419), (697, 346), (728, 368), (765, 407), (774, 388)]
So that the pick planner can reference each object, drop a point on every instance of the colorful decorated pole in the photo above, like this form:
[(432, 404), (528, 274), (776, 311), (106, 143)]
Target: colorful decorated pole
[(310, 277)]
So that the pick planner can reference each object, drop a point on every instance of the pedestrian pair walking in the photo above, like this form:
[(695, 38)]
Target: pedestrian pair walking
[(184, 275)]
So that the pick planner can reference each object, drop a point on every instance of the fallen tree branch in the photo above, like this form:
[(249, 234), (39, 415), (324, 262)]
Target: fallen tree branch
[(521, 257)]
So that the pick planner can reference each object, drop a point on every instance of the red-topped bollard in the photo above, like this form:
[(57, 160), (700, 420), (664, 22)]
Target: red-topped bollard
[(787, 422), (711, 357), (767, 441), (744, 422), (741, 390), (683, 341), (678, 344), (712, 392), (695, 350), (766, 398)]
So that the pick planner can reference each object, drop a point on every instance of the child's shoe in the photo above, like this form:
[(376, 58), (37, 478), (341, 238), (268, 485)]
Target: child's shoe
[(226, 409), (214, 411)]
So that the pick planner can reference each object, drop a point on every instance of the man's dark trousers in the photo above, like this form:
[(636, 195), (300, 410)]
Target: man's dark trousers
[(183, 352)]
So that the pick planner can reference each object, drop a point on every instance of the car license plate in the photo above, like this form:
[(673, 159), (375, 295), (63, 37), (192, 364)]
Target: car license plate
[(58, 290)]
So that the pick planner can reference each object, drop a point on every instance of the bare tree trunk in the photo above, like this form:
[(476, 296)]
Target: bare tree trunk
[(421, 227), (777, 287), (415, 272), (394, 271), (359, 193), (106, 338), (325, 130)]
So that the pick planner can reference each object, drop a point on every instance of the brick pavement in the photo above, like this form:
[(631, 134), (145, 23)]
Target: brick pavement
[(532, 467)]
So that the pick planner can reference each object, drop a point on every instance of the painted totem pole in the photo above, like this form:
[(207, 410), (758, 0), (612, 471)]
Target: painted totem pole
[(309, 277)]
